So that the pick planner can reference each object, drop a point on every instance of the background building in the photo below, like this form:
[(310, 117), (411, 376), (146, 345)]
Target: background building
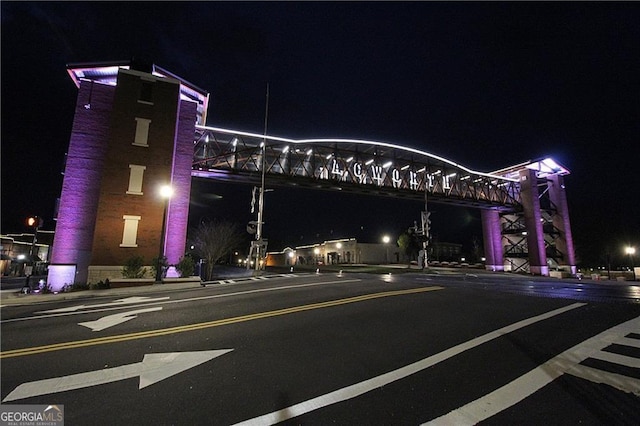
[(334, 252), (22, 254)]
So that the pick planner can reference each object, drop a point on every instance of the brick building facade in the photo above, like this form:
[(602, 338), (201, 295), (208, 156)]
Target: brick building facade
[(132, 133)]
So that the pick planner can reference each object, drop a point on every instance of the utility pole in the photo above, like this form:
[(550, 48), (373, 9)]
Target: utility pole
[(258, 245), (426, 226), (263, 167)]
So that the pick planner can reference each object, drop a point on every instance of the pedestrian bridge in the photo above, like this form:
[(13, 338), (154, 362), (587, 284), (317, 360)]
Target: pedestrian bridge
[(359, 166), (524, 212)]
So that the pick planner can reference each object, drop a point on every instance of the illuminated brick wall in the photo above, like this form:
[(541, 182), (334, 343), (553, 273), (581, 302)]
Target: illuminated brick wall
[(97, 191), (115, 202), (178, 213), (73, 241), (167, 160)]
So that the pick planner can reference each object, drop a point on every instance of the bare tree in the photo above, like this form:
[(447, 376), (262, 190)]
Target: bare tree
[(214, 240)]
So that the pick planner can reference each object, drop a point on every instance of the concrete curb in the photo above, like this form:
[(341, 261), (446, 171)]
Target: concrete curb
[(15, 298)]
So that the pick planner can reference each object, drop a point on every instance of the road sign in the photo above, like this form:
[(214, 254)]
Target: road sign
[(426, 223)]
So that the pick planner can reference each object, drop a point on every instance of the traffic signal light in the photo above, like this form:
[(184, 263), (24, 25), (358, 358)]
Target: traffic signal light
[(34, 221)]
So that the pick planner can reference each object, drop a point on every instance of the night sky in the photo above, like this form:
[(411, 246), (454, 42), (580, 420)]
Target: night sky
[(487, 85)]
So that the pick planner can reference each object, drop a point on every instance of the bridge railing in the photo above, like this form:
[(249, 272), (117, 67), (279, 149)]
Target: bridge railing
[(353, 165)]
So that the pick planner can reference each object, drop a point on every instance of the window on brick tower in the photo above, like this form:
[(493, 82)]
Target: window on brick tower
[(142, 132), (130, 231), (136, 174), (146, 91)]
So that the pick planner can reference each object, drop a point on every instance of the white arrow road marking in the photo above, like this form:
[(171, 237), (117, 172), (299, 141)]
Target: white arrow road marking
[(111, 307), (127, 301), (152, 369), (115, 319)]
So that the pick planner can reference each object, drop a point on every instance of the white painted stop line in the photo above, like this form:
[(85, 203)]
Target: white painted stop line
[(358, 389)]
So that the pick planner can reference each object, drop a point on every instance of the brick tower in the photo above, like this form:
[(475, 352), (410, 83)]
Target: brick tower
[(132, 133)]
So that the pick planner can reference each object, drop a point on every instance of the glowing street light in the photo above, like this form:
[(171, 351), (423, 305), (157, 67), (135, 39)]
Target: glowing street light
[(166, 192)]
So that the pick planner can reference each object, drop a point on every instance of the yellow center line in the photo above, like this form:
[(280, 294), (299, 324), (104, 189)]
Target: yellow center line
[(199, 326)]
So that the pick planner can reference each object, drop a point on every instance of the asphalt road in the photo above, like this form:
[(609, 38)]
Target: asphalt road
[(328, 349)]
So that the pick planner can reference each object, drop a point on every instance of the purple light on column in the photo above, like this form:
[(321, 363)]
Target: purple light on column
[(533, 222), (561, 221), (178, 209), (492, 240), (72, 244)]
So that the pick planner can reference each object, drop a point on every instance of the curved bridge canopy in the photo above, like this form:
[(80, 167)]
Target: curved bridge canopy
[(348, 165)]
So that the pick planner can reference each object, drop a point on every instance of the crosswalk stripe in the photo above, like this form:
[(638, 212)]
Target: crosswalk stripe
[(520, 388), (618, 381), (617, 359), (626, 341)]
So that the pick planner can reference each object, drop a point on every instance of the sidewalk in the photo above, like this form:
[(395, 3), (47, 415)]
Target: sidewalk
[(12, 297), (15, 297)]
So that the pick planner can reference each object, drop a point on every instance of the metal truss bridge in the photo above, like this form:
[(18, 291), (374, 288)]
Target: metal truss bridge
[(358, 166)]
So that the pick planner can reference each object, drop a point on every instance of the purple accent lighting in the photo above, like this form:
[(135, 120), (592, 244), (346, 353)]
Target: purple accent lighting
[(61, 274), (178, 210), (492, 240), (558, 196), (533, 222), (73, 240)]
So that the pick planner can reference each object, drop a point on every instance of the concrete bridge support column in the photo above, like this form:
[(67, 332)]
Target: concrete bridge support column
[(492, 240), (530, 195), (564, 243)]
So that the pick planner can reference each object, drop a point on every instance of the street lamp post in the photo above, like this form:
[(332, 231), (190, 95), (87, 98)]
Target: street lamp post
[(166, 192), (35, 222), (630, 251), (386, 240)]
